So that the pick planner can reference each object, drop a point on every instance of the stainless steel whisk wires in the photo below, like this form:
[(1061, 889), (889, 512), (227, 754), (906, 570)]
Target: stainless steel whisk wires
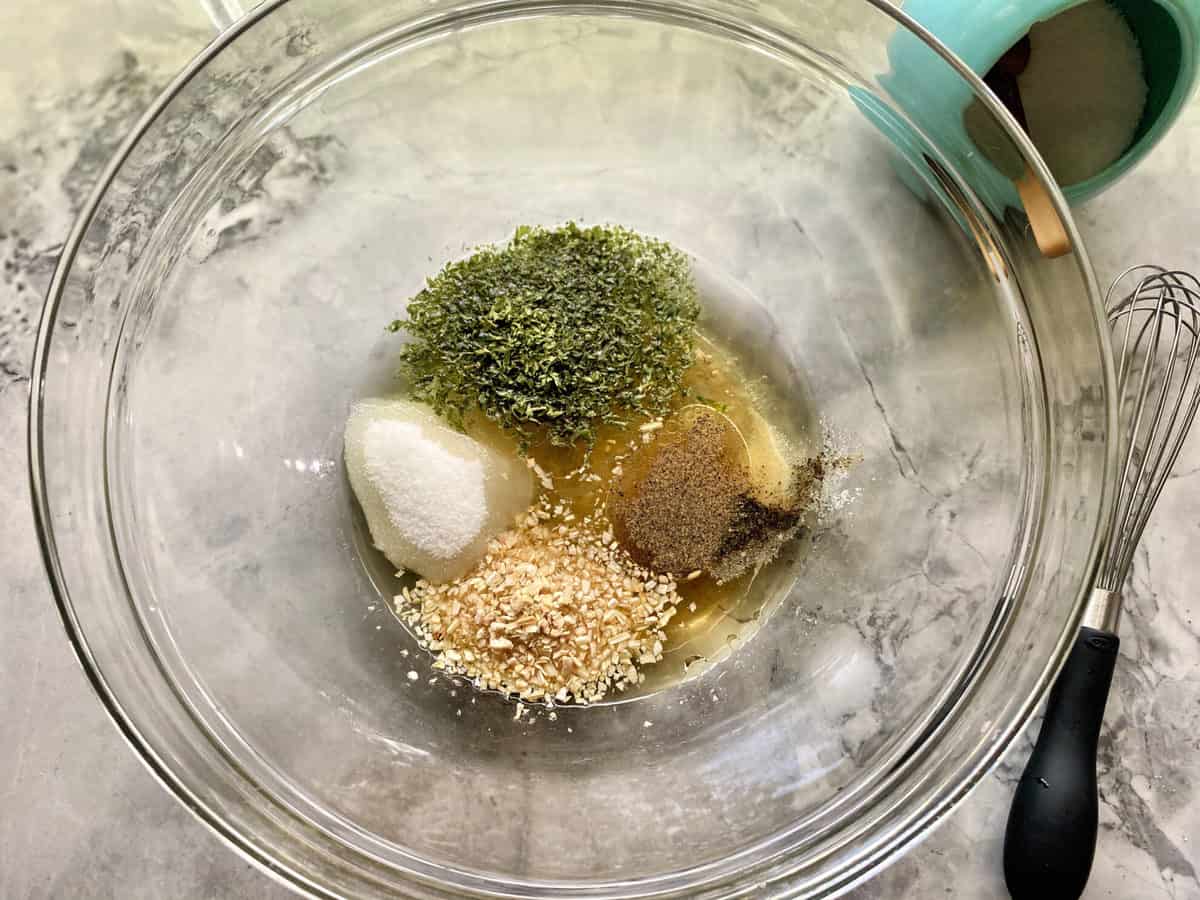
[(1156, 345)]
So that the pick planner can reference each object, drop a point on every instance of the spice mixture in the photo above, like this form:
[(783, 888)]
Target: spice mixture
[(643, 487)]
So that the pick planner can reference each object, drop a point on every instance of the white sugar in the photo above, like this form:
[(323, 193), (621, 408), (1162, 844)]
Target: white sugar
[(432, 496), (436, 499), (1084, 90)]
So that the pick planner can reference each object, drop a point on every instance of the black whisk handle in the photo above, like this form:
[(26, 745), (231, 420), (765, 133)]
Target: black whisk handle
[(1051, 836)]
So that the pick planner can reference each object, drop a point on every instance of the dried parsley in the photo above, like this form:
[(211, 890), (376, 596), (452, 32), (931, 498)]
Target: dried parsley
[(555, 333)]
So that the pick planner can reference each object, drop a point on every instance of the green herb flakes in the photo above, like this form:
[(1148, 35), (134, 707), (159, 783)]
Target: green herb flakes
[(556, 333)]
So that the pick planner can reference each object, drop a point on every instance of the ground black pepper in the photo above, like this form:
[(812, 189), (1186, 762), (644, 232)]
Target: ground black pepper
[(673, 505), (687, 502)]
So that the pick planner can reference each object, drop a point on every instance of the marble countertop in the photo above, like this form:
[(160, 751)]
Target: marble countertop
[(82, 818)]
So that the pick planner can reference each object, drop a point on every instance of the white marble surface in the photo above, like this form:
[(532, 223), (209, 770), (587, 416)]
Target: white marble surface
[(79, 816)]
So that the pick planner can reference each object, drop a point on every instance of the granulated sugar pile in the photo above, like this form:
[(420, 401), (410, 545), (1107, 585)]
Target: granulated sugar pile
[(672, 511), (554, 610), (435, 520)]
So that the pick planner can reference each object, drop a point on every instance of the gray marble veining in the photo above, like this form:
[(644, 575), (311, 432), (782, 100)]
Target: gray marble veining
[(81, 817)]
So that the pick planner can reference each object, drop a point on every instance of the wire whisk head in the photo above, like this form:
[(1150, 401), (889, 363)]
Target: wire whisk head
[(1154, 314)]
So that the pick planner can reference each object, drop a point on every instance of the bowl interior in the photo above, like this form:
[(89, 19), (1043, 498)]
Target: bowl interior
[(277, 216)]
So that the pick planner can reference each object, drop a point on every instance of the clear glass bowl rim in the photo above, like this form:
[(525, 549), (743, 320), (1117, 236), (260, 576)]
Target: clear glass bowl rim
[(919, 822)]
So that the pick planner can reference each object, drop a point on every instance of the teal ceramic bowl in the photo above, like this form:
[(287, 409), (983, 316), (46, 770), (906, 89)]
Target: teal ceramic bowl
[(1168, 32)]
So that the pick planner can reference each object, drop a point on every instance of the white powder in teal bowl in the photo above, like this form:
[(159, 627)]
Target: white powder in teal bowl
[(1084, 90)]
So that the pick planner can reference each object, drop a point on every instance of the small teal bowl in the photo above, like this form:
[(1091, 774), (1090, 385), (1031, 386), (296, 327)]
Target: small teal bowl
[(980, 32)]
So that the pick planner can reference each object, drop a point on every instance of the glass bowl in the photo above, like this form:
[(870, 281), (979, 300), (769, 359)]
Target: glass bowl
[(222, 301)]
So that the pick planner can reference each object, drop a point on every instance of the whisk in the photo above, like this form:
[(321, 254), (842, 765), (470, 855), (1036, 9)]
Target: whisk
[(1051, 836)]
